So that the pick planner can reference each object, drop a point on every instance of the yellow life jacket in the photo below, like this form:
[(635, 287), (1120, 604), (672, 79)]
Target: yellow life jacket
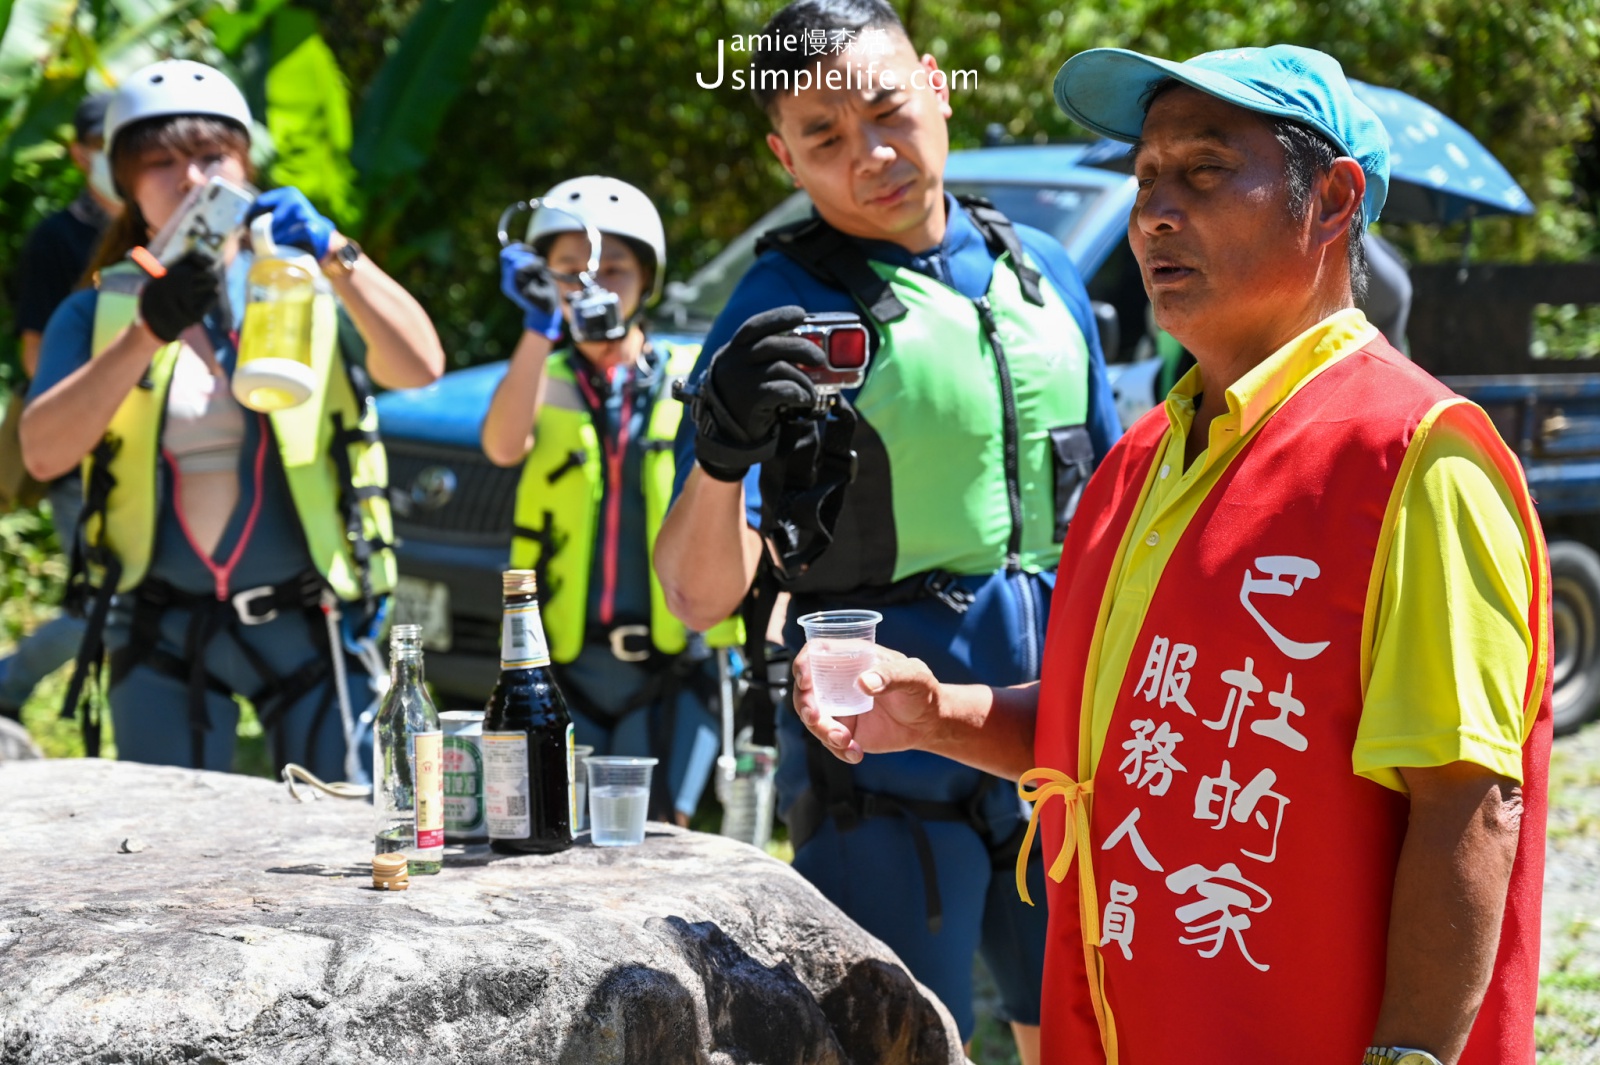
[(558, 506), (332, 459)]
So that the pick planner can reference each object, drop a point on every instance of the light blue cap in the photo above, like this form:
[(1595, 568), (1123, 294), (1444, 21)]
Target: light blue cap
[(1105, 90)]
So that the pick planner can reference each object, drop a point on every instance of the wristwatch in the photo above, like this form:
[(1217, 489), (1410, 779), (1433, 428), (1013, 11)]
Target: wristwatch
[(1398, 1056), (344, 260)]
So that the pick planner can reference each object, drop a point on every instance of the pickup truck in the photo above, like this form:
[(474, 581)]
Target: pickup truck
[(1521, 342), (453, 507)]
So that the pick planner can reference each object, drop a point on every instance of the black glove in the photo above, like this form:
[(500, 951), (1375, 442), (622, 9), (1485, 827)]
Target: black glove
[(181, 297), (753, 381)]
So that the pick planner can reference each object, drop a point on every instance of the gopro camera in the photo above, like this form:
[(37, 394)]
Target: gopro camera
[(843, 340), (596, 313)]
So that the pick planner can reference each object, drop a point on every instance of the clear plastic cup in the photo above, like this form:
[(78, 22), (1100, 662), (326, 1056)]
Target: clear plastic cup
[(619, 796), (580, 781), (842, 644)]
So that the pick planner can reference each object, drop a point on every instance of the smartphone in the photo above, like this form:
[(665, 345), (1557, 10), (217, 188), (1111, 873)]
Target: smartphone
[(210, 215), (843, 340)]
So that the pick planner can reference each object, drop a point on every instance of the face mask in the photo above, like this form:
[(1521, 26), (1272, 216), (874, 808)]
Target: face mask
[(100, 176)]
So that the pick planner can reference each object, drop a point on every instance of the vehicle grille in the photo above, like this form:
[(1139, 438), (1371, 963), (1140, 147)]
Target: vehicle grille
[(478, 510), (474, 636)]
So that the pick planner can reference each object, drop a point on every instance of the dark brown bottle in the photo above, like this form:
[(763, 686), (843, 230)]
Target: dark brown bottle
[(529, 797)]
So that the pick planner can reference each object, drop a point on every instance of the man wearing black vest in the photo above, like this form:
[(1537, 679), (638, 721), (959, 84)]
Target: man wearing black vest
[(983, 412)]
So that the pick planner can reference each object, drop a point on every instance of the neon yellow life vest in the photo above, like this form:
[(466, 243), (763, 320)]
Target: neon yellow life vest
[(330, 430), (558, 506)]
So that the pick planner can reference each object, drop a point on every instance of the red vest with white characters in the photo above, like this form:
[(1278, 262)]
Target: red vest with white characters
[(1240, 872)]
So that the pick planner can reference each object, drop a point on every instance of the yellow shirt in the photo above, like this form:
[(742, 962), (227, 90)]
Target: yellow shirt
[(1451, 646)]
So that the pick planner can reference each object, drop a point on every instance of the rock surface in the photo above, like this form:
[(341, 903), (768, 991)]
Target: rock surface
[(247, 930), (15, 743)]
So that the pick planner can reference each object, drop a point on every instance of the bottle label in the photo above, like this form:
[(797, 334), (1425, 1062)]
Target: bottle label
[(463, 786), (522, 643), (505, 784), (428, 751), (572, 783)]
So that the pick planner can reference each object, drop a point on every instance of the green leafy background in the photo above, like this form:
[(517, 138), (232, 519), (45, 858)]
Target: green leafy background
[(413, 122)]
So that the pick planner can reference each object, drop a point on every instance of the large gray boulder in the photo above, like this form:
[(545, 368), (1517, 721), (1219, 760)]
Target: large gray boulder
[(160, 915)]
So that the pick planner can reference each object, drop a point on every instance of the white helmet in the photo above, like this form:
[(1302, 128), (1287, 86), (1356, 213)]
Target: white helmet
[(175, 87), (614, 207)]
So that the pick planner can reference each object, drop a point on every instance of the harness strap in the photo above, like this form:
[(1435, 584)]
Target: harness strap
[(833, 793), (767, 664), (91, 650), (1001, 237), (837, 261), (210, 617), (806, 491), (350, 502)]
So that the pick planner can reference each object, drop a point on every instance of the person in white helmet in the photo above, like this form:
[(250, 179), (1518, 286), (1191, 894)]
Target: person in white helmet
[(234, 544), (586, 408)]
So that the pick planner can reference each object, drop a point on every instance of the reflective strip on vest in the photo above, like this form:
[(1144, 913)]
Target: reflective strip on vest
[(559, 495), (304, 437)]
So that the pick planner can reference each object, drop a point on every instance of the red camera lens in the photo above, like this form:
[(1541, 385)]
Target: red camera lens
[(847, 349)]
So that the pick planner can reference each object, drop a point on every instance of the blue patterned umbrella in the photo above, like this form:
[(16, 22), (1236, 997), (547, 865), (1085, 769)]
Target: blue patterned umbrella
[(1438, 171)]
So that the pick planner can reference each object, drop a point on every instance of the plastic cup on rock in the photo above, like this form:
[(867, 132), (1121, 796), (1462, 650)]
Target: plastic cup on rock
[(842, 644), (619, 796)]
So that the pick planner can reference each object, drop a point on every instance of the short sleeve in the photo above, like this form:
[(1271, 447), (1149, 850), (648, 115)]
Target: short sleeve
[(1452, 645), (67, 341)]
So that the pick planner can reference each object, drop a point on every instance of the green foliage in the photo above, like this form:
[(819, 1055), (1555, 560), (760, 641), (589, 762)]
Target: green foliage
[(308, 116), (32, 579), (231, 28), (408, 101), (1566, 331), (462, 106)]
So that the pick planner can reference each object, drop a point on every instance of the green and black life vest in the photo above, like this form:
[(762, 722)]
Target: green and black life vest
[(972, 445), (557, 515), (333, 461)]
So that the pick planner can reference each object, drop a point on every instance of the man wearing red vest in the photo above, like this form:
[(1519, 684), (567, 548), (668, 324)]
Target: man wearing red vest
[(1295, 711)]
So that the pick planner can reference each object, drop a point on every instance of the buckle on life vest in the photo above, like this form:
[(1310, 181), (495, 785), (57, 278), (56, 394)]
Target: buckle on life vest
[(624, 651), (243, 604)]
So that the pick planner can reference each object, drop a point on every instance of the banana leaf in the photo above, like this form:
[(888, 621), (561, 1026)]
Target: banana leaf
[(308, 115), (35, 31), (399, 121)]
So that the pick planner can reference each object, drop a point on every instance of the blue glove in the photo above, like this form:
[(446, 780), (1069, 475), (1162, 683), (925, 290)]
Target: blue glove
[(526, 281), (295, 223)]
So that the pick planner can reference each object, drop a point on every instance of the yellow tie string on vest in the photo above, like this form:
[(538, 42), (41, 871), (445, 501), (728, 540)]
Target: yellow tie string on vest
[(1074, 842)]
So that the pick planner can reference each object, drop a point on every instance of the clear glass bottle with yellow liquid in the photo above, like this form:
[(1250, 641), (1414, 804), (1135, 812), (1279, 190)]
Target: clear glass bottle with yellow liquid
[(274, 366)]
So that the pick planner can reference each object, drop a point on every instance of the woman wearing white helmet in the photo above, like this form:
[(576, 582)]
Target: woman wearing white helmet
[(229, 538), (588, 412)]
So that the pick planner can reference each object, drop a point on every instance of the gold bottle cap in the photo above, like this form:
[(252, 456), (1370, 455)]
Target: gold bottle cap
[(519, 582), (388, 863)]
